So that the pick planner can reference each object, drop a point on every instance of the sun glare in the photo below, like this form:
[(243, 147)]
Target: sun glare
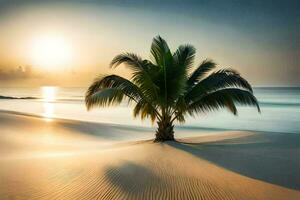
[(50, 52), (49, 95)]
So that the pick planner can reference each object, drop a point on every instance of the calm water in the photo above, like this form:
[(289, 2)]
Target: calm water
[(280, 110)]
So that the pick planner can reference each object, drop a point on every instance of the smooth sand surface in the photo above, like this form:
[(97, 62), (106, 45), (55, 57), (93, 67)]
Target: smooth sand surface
[(63, 159)]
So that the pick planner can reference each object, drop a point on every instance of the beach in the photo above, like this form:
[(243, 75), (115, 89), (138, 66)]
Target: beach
[(68, 159), (154, 100)]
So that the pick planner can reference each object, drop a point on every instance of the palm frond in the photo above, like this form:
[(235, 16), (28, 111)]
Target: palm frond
[(143, 72), (229, 98), (160, 51), (205, 67), (145, 109), (183, 59), (120, 86), (184, 56), (221, 79), (131, 60), (145, 80), (105, 97), (180, 118), (225, 78)]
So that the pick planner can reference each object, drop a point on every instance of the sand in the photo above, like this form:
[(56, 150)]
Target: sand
[(63, 159)]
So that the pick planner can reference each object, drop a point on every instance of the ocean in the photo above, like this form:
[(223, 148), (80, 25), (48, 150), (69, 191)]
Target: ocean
[(280, 110)]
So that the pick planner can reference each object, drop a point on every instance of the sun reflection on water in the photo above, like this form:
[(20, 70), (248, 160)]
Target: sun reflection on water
[(49, 96)]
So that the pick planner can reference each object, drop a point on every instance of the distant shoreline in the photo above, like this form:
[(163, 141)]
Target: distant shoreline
[(12, 97)]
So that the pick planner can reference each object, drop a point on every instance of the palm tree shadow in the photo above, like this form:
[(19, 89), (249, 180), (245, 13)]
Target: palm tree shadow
[(100, 130), (275, 160), (131, 178)]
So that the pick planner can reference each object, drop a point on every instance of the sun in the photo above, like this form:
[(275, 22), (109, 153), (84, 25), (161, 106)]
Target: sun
[(49, 93), (50, 51)]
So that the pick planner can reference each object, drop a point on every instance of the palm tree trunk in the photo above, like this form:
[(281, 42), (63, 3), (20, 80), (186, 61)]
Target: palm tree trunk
[(165, 130)]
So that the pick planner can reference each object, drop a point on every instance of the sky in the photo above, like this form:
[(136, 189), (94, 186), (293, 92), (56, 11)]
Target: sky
[(68, 43)]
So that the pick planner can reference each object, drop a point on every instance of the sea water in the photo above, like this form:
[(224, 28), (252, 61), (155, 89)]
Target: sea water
[(280, 110)]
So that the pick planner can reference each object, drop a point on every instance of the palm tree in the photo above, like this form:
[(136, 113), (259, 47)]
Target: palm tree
[(166, 89)]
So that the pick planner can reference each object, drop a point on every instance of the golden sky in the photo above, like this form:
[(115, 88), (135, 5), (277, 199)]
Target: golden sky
[(67, 44)]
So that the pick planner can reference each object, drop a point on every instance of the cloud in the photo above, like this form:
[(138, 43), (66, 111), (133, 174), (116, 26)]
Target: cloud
[(17, 73)]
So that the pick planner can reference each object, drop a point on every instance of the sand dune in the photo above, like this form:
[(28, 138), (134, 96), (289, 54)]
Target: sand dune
[(72, 163)]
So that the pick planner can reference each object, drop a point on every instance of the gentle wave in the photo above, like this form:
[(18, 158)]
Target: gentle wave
[(262, 103), (289, 104)]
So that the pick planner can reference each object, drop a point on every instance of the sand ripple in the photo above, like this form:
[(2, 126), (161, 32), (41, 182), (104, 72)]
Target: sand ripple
[(142, 171)]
